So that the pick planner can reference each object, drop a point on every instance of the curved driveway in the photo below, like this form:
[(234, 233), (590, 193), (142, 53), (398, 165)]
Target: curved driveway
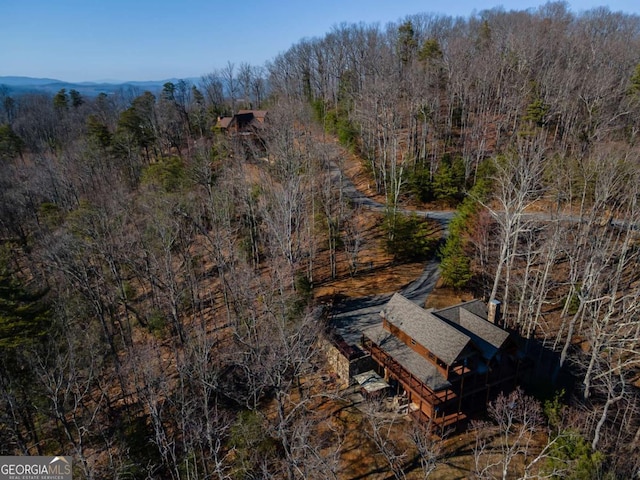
[(358, 198), (350, 317)]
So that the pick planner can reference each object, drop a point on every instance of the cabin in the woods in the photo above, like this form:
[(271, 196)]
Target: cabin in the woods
[(448, 362), (244, 122)]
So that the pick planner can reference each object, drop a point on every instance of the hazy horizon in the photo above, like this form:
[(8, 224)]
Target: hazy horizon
[(79, 41), (111, 81)]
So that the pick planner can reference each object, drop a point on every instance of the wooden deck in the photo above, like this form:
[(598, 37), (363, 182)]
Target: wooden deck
[(443, 408), (440, 406), (408, 381), (441, 423)]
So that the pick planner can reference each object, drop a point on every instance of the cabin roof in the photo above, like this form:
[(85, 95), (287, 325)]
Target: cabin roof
[(244, 119), (225, 122), (448, 333), (436, 335), (259, 114), (471, 319)]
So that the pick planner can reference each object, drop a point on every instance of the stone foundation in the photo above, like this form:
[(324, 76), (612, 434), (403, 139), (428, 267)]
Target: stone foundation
[(343, 367)]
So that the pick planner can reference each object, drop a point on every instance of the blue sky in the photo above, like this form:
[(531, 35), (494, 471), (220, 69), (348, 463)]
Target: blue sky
[(88, 40)]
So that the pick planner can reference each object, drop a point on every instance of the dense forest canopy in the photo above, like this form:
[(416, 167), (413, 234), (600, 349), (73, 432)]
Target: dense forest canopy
[(157, 308)]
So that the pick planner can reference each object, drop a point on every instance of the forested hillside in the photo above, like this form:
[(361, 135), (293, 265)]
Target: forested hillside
[(158, 316)]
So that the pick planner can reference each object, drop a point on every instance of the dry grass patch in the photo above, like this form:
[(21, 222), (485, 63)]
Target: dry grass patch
[(377, 270), (442, 297)]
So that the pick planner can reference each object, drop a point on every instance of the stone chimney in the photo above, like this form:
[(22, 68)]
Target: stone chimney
[(494, 311)]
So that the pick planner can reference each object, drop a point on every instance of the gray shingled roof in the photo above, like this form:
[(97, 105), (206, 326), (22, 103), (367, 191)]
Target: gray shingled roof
[(471, 319), (452, 313), (412, 361), (435, 334), (484, 329)]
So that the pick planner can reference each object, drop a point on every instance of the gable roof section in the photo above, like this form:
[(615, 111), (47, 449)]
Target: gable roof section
[(225, 122), (244, 119), (258, 114), (471, 319), (453, 313), (433, 333), (484, 329), (484, 335)]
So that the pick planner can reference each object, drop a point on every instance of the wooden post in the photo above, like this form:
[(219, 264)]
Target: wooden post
[(461, 394)]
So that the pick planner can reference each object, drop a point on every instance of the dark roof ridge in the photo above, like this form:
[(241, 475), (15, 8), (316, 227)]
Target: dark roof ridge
[(432, 332), (430, 312), (458, 305)]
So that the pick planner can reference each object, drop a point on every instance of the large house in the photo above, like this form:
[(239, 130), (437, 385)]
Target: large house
[(243, 122), (447, 362)]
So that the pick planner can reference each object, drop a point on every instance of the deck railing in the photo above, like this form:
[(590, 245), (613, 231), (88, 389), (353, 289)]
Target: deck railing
[(405, 377)]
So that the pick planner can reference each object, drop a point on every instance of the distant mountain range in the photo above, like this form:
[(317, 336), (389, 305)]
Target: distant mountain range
[(21, 85)]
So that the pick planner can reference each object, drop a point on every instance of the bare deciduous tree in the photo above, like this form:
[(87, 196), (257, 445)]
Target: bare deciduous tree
[(381, 424), (515, 420)]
